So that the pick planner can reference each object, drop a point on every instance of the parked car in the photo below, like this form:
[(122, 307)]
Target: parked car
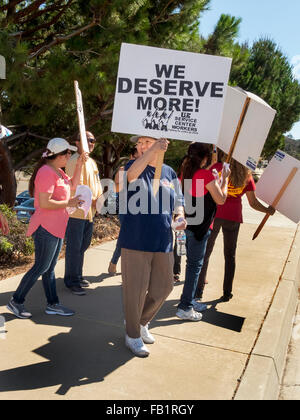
[(25, 210), (23, 196)]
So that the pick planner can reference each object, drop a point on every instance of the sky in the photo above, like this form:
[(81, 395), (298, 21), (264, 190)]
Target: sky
[(274, 19)]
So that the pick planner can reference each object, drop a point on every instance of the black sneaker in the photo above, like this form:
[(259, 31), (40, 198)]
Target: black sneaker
[(226, 297), (77, 290), (18, 310), (58, 309)]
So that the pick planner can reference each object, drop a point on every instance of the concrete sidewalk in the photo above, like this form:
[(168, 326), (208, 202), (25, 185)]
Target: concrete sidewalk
[(235, 352)]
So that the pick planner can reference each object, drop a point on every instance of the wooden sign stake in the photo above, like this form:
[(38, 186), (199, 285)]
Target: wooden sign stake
[(214, 158), (80, 114), (157, 175), (160, 158), (238, 129), (276, 201), (81, 122)]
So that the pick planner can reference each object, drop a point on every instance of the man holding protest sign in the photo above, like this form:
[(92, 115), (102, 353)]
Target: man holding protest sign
[(146, 240), (80, 227)]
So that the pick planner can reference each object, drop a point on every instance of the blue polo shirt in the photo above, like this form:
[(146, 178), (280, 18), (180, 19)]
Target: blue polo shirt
[(146, 224)]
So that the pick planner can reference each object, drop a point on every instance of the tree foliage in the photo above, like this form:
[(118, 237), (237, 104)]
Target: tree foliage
[(15, 246), (221, 41), (268, 74), (262, 69), (49, 44), (292, 147)]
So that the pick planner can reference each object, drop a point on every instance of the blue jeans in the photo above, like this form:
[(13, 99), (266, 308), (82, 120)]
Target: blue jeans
[(47, 249), (195, 252), (78, 239), (117, 252)]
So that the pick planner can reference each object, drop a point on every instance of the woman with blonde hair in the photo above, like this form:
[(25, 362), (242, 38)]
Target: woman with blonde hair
[(229, 217)]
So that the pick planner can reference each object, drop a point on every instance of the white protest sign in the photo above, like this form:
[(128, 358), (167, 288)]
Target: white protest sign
[(254, 129), (81, 121), (2, 67), (86, 196), (168, 93), (272, 180)]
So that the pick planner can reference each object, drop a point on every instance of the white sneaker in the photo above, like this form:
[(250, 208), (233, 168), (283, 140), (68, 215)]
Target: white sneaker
[(147, 337), (137, 346), (198, 306), (190, 315)]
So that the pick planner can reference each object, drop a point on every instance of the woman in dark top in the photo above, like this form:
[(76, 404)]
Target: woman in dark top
[(202, 194)]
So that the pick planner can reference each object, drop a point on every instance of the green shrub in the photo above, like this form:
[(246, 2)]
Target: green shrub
[(28, 247), (5, 246), (14, 246)]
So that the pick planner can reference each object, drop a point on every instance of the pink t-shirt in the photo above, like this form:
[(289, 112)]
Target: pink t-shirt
[(54, 221)]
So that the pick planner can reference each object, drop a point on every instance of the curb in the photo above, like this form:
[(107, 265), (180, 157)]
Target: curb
[(262, 377)]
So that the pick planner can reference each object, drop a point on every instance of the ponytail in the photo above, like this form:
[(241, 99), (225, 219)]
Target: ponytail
[(41, 163)]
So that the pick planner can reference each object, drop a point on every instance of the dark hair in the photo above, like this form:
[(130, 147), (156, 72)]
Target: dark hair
[(42, 162), (133, 151), (194, 158)]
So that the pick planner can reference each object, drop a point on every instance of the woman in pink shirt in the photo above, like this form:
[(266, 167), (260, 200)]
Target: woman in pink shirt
[(51, 189)]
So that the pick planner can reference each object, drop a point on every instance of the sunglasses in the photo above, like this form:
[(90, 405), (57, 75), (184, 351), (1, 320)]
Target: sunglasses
[(91, 140)]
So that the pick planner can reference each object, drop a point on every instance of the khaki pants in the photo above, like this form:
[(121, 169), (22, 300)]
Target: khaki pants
[(147, 282)]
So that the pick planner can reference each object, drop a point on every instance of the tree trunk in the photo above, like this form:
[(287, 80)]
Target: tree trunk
[(8, 184), (110, 158)]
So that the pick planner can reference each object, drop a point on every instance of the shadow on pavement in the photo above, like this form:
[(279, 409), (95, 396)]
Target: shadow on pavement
[(85, 355), (210, 316), (100, 278), (94, 346), (92, 349)]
